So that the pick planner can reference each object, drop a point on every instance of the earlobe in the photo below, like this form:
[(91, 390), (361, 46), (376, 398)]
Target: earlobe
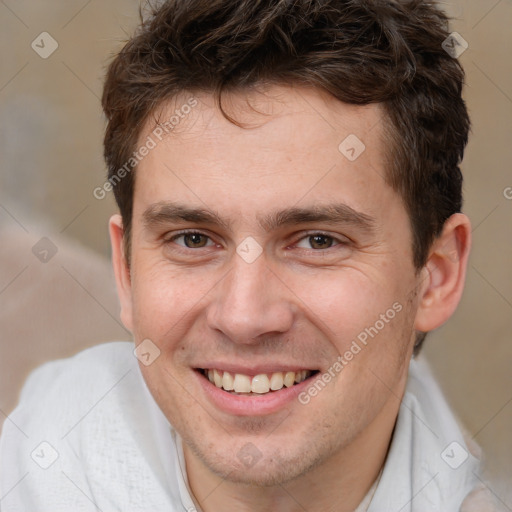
[(121, 270), (443, 277)]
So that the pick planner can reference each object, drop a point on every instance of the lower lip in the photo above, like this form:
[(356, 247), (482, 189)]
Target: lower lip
[(250, 405)]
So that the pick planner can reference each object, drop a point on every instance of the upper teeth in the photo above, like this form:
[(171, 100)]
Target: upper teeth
[(261, 383)]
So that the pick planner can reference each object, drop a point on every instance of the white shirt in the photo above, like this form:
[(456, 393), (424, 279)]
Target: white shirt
[(88, 436)]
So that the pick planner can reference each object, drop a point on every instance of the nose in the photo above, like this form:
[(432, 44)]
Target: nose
[(250, 302)]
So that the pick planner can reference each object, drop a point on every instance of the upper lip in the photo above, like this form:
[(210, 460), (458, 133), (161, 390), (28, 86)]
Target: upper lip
[(245, 369)]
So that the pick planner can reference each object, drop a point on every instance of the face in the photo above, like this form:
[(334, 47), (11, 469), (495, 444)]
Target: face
[(266, 255)]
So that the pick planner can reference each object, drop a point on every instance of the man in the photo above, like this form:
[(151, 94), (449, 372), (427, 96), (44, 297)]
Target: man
[(287, 174)]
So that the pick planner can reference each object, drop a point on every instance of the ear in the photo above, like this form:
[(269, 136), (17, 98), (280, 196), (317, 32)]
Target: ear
[(121, 270), (443, 277)]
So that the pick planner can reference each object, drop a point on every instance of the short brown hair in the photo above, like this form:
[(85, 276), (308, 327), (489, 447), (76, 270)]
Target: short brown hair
[(360, 51)]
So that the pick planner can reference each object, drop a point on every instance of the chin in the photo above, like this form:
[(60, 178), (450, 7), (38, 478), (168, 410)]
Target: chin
[(249, 466), (265, 473)]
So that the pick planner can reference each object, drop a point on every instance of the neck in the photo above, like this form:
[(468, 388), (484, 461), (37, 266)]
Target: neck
[(339, 483)]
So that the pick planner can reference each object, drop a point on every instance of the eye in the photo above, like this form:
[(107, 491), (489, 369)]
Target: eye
[(318, 241), (192, 240)]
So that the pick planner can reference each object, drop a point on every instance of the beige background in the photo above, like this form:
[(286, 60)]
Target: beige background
[(50, 153)]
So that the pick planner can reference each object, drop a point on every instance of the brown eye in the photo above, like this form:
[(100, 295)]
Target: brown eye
[(191, 240), (320, 241), (195, 240)]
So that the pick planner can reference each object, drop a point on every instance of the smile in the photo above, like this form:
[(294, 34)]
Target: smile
[(263, 383)]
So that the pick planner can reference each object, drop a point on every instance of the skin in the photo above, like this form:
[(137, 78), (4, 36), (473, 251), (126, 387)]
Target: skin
[(298, 303)]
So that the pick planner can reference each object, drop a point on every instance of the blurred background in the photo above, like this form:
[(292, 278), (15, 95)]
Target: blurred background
[(57, 293)]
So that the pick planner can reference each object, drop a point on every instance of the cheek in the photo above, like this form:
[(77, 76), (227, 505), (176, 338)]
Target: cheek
[(166, 300), (346, 301), (158, 298)]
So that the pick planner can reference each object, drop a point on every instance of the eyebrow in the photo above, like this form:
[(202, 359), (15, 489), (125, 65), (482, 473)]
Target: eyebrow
[(338, 213), (168, 212)]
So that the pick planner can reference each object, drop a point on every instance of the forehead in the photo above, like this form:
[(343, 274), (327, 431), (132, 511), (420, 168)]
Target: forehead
[(294, 145), (276, 108)]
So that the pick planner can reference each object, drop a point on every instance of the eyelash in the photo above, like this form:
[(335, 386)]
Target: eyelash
[(336, 241)]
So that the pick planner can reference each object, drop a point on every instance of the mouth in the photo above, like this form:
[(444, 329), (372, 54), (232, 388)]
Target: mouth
[(251, 385)]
